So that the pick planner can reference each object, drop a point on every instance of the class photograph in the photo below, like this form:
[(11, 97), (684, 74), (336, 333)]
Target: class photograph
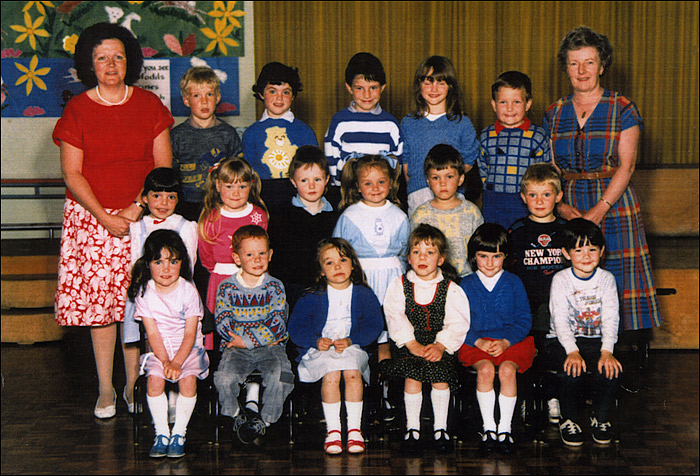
[(371, 237)]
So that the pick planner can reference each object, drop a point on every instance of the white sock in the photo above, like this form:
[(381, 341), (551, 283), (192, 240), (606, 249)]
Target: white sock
[(159, 411), (354, 411), (183, 412), (487, 405), (441, 406), (252, 396), (331, 411), (414, 402), (507, 406)]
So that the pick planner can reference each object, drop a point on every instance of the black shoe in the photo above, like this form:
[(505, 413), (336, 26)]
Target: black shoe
[(251, 430), (506, 444), (601, 432), (443, 443), (488, 442), (411, 443), (571, 434)]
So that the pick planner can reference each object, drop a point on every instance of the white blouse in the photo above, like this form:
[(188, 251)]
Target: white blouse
[(455, 325)]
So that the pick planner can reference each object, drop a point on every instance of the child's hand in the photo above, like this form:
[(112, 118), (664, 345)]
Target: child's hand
[(483, 345), (324, 343), (415, 348), (498, 347), (236, 341), (612, 366), (172, 370), (433, 352), (342, 344), (574, 365)]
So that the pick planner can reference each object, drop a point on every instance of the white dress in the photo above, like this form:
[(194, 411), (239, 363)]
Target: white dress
[(317, 363)]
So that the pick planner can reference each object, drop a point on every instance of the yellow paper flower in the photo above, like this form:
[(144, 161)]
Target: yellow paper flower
[(69, 43), (39, 6), (227, 12), (219, 38), (31, 75), (30, 29)]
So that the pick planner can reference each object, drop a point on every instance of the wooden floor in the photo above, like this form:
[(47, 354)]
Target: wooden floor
[(48, 391)]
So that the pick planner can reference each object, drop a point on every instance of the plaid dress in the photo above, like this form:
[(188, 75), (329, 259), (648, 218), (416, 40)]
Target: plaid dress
[(595, 149)]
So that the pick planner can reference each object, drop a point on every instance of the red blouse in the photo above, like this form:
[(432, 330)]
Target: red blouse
[(117, 143)]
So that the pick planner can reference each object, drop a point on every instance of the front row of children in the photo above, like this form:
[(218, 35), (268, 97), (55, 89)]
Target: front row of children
[(484, 322)]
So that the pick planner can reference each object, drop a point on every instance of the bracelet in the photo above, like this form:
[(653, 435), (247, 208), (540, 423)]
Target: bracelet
[(606, 202), (140, 205)]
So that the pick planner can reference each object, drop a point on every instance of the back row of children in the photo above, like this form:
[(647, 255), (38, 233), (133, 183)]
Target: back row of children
[(376, 231)]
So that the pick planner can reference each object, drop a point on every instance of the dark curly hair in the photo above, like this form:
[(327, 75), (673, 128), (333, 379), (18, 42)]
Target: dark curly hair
[(580, 38), (277, 74), (94, 35)]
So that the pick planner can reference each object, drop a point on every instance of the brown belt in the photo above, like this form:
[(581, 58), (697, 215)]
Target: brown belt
[(589, 175)]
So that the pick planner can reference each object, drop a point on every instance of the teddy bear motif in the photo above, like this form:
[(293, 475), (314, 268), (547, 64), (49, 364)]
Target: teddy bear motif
[(279, 152)]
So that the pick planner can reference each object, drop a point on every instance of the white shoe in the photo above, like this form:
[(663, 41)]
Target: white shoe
[(554, 410), (108, 411)]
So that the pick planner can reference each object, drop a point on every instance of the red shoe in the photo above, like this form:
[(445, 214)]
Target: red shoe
[(333, 446), (356, 445)]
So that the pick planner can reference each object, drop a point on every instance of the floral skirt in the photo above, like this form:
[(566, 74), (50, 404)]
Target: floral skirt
[(93, 271)]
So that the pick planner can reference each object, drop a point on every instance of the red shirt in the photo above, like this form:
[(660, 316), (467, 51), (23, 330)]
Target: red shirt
[(117, 143)]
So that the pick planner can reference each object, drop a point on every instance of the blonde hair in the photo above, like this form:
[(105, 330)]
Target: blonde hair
[(230, 170), (199, 75), (541, 173), (349, 190)]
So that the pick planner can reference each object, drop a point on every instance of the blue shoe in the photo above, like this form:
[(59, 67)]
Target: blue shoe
[(160, 447), (176, 448)]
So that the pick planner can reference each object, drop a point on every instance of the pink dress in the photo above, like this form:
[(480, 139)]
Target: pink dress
[(170, 311)]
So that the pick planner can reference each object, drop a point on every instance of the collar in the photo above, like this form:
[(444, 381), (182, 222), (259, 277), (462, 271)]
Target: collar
[(376, 111), (327, 207), (434, 117), (525, 126), (245, 212), (287, 116), (413, 277), (242, 282)]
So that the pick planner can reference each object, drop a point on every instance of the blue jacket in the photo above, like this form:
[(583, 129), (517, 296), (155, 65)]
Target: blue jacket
[(311, 310)]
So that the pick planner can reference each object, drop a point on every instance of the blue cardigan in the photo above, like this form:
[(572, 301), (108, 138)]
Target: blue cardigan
[(503, 313), (311, 310)]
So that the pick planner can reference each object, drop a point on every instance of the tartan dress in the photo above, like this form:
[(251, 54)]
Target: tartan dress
[(594, 148), (427, 321)]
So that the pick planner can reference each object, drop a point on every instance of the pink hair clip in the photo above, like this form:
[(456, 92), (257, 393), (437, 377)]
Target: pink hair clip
[(214, 167)]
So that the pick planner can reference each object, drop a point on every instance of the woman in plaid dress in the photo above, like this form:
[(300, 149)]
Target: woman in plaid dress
[(595, 137)]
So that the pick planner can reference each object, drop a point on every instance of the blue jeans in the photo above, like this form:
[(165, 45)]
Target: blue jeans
[(237, 364)]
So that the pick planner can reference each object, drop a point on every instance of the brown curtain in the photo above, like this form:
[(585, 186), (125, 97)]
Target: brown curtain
[(655, 56)]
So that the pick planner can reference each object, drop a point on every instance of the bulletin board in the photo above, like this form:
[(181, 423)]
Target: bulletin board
[(38, 42)]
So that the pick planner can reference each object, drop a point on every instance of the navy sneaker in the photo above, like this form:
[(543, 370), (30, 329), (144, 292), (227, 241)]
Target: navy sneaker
[(571, 434), (601, 432), (252, 429)]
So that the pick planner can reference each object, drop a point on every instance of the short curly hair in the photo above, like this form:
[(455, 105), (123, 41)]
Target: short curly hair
[(94, 35), (277, 73), (582, 37)]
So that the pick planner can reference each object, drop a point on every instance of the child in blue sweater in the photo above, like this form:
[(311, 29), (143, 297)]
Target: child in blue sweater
[(332, 325), (498, 336), (270, 143)]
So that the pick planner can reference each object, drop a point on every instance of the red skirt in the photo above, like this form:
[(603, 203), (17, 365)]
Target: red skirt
[(522, 354)]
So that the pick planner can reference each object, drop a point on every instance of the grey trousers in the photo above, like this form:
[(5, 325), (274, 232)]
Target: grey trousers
[(237, 364)]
